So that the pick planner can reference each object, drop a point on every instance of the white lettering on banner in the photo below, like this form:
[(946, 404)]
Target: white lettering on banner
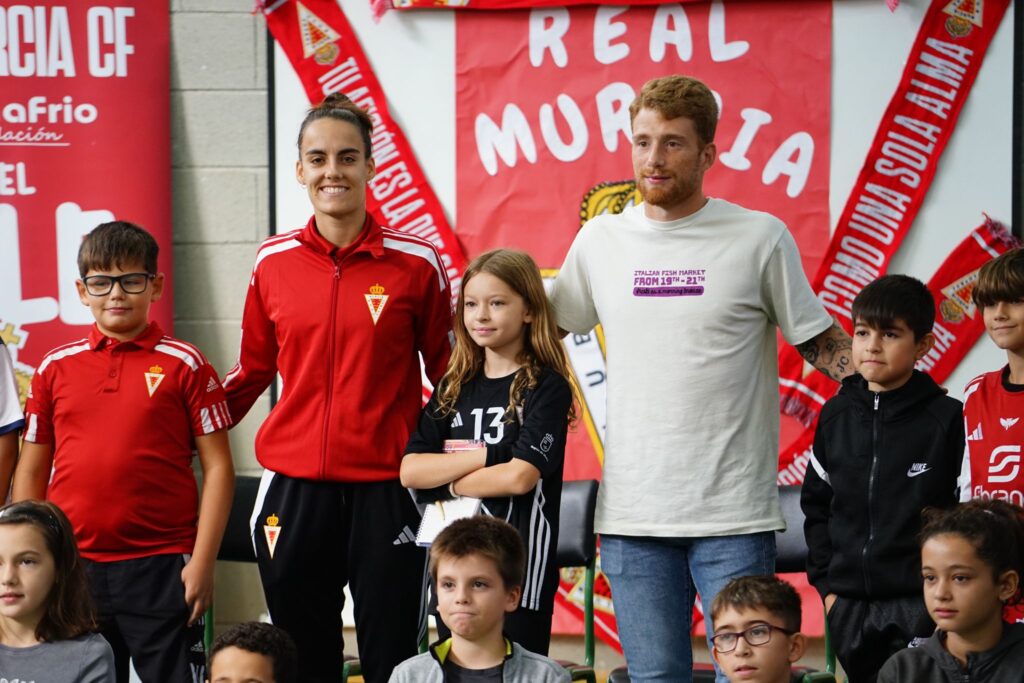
[(35, 44), (794, 472), (877, 217), (37, 109), (613, 102), (606, 30), (736, 157), (72, 224), (563, 151), (722, 50), (546, 29), (944, 340), (793, 158), (669, 26), (13, 180), (782, 163), (30, 135), (108, 41), (493, 141)]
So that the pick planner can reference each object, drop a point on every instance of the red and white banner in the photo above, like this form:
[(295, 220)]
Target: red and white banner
[(542, 113), (326, 54), (943, 63), (84, 138)]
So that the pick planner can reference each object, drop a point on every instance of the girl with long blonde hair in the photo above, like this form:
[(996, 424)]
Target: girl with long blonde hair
[(496, 425)]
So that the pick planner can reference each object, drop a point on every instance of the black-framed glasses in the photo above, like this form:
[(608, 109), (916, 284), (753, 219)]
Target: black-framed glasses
[(131, 283), (758, 634)]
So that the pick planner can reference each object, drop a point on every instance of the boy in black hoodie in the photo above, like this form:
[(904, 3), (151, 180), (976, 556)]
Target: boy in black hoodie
[(889, 444)]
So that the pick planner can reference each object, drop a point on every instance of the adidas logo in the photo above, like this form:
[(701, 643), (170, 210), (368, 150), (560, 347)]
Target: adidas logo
[(407, 536), (198, 647), (211, 385), (976, 434), (457, 420), (1008, 422)]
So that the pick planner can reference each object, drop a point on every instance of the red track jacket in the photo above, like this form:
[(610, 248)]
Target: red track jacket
[(342, 327)]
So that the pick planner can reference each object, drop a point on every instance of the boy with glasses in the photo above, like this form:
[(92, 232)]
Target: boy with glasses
[(115, 417), (757, 624)]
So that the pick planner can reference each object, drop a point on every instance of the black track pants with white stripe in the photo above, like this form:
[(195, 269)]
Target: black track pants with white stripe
[(327, 534)]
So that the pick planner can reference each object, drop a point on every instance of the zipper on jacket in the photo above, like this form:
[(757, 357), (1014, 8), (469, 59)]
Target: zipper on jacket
[(332, 317), (871, 490)]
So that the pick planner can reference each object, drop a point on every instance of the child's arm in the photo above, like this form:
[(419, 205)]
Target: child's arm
[(538, 452), (424, 466), (512, 478), (8, 456), (427, 470), (214, 507), (816, 501), (32, 474)]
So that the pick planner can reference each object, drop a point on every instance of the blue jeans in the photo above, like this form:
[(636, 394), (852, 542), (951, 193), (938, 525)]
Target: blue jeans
[(653, 583)]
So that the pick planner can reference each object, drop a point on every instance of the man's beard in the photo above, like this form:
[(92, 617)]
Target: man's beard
[(668, 194)]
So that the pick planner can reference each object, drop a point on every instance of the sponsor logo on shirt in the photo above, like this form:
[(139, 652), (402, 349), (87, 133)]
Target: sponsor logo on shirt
[(212, 385), (918, 468), (457, 420), (376, 300), (1008, 422), (1004, 463), (153, 379)]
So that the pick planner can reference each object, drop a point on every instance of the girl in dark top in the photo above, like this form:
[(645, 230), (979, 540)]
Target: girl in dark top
[(972, 558), (502, 411)]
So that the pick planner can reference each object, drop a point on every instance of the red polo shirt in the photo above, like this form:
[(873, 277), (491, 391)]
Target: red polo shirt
[(122, 417)]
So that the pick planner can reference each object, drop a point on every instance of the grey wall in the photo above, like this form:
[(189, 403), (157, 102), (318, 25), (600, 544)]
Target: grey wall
[(219, 139)]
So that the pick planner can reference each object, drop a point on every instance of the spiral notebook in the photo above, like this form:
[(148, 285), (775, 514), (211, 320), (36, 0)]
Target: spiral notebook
[(439, 515)]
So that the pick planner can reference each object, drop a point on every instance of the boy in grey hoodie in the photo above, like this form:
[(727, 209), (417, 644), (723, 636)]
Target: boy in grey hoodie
[(477, 566)]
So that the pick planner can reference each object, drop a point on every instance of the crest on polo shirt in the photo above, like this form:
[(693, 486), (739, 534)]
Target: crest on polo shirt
[(153, 379), (272, 531), (958, 302), (376, 301), (317, 37)]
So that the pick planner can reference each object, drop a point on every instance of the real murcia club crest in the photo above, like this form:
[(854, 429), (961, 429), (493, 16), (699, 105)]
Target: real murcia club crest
[(318, 38), (958, 300), (153, 379), (963, 16), (272, 530), (376, 300)]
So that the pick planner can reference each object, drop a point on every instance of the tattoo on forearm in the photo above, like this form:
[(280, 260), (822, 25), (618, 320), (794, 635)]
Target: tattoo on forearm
[(829, 352)]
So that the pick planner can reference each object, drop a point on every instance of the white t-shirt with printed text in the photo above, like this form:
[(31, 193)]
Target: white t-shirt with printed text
[(689, 310)]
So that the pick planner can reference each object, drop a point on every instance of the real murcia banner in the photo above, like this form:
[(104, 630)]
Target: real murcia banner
[(542, 113), (940, 70), (84, 138), (326, 54)]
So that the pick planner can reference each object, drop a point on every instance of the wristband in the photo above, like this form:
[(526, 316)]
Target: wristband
[(451, 490)]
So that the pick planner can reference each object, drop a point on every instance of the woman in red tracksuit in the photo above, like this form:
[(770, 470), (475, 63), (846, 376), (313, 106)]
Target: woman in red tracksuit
[(340, 308)]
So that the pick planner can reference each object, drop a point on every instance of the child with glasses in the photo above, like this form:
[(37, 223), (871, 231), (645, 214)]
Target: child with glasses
[(115, 417), (757, 629)]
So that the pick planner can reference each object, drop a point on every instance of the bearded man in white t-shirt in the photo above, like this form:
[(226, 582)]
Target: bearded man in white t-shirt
[(690, 291)]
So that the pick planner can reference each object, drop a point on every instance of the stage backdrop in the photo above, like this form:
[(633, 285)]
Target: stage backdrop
[(84, 138), (527, 105)]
